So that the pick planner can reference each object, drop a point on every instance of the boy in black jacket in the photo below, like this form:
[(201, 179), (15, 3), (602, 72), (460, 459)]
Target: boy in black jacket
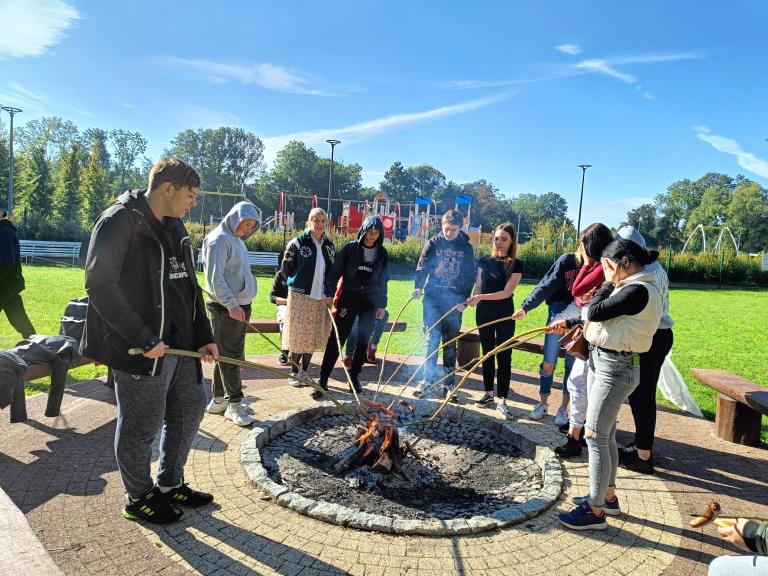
[(446, 275), (143, 296), (364, 266)]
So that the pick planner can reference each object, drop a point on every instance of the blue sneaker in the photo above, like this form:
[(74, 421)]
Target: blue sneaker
[(582, 518), (611, 507)]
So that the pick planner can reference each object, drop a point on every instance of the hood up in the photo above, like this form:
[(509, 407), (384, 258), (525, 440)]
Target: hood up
[(239, 212), (370, 223)]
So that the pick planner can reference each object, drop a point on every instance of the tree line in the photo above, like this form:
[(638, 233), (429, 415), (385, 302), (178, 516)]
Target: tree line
[(65, 177)]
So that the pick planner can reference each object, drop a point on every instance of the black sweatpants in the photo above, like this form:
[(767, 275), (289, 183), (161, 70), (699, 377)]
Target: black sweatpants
[(490, 337), (643, 399), (350, 306), (17, 315)]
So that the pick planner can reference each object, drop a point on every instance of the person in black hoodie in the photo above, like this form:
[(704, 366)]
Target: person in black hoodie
[(11, 279), (363, 266), (143, 296), (446, 274)]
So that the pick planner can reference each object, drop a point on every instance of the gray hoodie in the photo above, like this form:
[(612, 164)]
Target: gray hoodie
[(225, 259)]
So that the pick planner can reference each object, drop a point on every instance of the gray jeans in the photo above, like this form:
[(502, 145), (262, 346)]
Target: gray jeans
[(741, 565), (615, 377), (173, 401)]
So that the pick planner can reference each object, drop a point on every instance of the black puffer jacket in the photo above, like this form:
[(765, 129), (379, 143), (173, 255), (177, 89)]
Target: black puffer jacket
[(127, 293), (11, 279)]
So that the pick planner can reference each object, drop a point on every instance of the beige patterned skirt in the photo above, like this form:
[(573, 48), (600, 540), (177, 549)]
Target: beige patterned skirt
[(307, 324)]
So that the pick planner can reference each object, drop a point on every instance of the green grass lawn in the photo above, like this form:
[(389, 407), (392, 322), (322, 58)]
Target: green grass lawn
[(721, 329)]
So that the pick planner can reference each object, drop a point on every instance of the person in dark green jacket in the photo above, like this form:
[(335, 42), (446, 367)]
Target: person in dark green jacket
[(11, 279), (750, 536)]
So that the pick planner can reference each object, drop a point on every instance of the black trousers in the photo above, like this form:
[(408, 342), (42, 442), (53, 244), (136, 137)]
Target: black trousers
[(17, 316), (229, 335), (350, 306), (643, 399), (490, 337)]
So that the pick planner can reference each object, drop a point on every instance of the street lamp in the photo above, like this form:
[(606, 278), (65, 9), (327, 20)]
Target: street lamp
[(11, 110), (581, 197), (330, 175)]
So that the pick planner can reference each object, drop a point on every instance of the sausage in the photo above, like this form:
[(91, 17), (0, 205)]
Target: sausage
[(712, 512)]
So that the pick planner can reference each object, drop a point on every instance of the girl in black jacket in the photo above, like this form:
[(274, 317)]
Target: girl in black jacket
[(363, 266)]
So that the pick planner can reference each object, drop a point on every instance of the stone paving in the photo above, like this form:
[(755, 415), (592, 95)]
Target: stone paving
[(62, 474)]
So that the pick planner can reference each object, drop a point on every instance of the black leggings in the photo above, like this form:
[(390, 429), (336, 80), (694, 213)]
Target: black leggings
[(490, 337), (643, 399), (350, 306)]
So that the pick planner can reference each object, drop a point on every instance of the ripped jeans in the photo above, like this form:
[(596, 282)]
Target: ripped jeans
[(616, 375)]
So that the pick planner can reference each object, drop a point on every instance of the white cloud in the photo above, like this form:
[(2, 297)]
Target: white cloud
[(604, 67), (21, 97), (571, 49), (31, 27), (746, 160), (357, 132), (264, 74), (202, 117)]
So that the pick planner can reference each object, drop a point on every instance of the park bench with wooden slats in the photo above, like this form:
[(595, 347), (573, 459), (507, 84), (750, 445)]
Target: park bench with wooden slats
[(469, 347), (740, 405), (45, 249), (272, 327), (255, 259)]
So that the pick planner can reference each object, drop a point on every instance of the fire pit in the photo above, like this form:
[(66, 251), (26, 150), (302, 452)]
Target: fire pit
[(470, 473)]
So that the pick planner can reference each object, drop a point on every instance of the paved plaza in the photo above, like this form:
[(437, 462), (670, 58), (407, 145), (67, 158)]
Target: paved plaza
[(62, 475)]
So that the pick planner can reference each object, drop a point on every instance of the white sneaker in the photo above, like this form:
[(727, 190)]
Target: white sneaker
[(561, 418), (294, 381), (538, 412), (503, 409), (216, 406), (421, 388), (238, 413)]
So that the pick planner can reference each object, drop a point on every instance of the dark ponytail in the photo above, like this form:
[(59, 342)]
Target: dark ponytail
[(621, 249)]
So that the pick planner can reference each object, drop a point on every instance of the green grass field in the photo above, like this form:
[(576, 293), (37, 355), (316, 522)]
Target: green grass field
[(722, 329)]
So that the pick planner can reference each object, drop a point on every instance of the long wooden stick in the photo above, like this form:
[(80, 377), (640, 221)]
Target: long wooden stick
[(506, 345), (386, 347), (344, 366)]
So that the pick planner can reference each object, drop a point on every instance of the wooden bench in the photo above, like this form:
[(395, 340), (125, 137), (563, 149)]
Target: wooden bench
[(44, 249), (468, 348), (272, 327), (255, 259), (740, 405)]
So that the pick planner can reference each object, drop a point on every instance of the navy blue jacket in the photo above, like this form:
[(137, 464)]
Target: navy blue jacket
[(555, 286), (360, 276)]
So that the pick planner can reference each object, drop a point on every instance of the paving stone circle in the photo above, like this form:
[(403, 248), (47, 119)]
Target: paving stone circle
[(279, 446)]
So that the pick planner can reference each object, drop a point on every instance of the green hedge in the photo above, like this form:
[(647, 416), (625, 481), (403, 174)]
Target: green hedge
[(689, 268)]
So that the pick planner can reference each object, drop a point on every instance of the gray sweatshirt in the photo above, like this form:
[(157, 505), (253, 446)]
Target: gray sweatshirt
[(225, 259)]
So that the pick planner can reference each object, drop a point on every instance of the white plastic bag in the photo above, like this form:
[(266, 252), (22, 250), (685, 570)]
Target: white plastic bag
[(673, 388)]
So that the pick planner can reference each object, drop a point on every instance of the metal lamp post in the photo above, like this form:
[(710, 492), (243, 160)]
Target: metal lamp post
[(11, 111), (330, 174), (581, 197)]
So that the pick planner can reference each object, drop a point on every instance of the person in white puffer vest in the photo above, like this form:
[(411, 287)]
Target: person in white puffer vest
[(623, 316)]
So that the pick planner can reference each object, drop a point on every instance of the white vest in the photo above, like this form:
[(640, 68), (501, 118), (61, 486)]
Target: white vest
[(629, 333)]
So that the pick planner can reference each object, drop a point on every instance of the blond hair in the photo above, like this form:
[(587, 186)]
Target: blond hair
[(314, 213)]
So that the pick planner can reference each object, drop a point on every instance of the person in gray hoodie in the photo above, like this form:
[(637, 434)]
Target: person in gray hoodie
[(229, 279)]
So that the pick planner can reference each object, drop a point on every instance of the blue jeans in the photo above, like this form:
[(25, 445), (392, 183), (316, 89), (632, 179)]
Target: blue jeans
[(378, 330), (433, 308), (743, 565), (616, 376), (552, 353)]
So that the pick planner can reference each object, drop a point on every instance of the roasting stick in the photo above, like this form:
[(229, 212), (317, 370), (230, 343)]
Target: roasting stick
[(437, 351), (260, 333), (386, 346), (408, 382), (506, 345), (712, 514), (419, 341), (246, 364), (344, 366)]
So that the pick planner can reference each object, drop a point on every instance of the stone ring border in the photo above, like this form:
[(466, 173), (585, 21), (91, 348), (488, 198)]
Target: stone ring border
[(550, 465)]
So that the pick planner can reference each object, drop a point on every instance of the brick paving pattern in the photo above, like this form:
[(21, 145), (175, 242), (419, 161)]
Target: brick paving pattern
[(62, 474)]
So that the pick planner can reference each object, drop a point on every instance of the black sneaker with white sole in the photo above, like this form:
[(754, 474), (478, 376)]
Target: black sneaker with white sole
[(153, 507)]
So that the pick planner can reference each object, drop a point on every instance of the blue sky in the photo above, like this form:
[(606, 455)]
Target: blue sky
[(518, 93)]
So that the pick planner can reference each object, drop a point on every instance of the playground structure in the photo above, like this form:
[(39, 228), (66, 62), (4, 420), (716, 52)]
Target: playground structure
[(354, 213), (718, 246)]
